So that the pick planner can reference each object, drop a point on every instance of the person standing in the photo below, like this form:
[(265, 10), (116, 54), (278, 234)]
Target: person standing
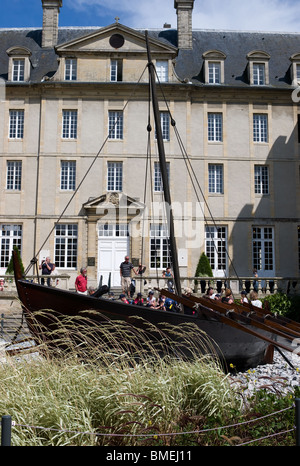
[(255, 282), (125, 274), (81, 281), (47, 269), (169, 276)]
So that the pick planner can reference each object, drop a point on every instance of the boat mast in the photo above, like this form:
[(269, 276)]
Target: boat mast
[(163, 170)]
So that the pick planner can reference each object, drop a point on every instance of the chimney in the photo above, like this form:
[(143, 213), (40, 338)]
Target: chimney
[(50, 22), (184, 9)]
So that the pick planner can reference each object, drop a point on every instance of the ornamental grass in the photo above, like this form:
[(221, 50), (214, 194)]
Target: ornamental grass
[(115, 384)]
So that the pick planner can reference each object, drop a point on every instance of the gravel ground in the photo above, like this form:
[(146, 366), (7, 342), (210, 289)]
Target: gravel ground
[(278, 377)]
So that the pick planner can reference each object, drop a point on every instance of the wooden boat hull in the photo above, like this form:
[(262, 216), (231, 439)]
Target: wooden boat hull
[(236, 347)]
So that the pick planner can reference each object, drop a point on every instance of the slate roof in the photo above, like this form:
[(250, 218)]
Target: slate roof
[(236, 45), (189, 63)]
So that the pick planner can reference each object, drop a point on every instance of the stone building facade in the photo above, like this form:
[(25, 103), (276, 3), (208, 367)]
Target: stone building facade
[(74, 149)]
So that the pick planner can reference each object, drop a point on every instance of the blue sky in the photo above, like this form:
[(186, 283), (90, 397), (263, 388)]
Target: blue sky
[(262, 15)]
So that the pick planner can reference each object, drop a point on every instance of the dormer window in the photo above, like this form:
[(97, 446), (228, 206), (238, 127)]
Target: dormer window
[(18, 72), (19, 64), (259, 74), (295, 69), (258, 68), (214, 67), (214, 72), (70, 69)]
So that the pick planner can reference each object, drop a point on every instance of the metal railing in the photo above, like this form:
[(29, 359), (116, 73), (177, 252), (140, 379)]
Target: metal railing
[(7, 424)]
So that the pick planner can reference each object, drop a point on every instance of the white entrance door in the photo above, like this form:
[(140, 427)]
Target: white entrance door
[(113, 246)]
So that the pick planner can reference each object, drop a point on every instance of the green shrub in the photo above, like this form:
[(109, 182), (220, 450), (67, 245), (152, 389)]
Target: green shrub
[(10, 267), (279, 303), (284, 305), (203, 267)]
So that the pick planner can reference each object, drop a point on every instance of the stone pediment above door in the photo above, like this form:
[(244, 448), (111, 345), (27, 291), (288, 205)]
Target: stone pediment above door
[(113, 204)]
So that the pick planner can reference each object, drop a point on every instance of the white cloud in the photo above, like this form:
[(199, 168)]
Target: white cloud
[(132, 13), (259, 15), (267, 15)]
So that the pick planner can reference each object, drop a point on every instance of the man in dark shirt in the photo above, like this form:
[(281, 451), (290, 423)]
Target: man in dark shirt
[(125, 273), (47, 268)]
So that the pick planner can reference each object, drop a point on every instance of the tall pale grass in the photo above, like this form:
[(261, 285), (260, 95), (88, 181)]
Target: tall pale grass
[(114, 384)]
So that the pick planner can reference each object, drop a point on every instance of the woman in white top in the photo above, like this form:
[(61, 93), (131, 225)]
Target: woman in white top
[(253, 298), (151, 302)]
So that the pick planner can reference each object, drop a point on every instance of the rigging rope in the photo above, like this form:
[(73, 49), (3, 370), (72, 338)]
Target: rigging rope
[(34, 259), (190, 170), (192, 175)]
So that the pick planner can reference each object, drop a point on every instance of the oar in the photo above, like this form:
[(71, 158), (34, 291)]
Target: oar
[(214, 309)]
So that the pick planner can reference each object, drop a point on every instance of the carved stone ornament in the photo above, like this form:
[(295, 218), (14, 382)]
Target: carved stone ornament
[(114, 198)]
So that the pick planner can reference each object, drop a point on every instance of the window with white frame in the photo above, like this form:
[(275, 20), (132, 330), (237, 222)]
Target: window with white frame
[(19, 65), (115, 124), (114, 176), (10, 237), (214, 72), (165, 126), (295, 69), (215, 178), (14, 175), (216, 248), (66, 246), (68, 175), (162, 70), (215, 131), (116, 70), (159, 247), (261, 179), (18, 71), (16, 124), (298, 72), (158, 185), (263, 248), (69, 125), (259, 74), (113, 230), (70, 69), (260, 128), (258, 67), (214, 67)]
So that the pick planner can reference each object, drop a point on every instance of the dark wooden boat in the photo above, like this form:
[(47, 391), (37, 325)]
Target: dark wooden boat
[(243, 337), (242, 348)]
